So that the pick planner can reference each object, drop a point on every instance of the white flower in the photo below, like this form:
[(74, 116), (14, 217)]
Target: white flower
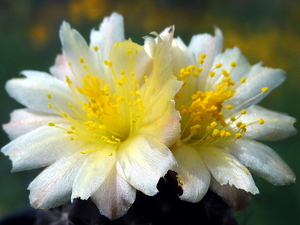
[(220, 120), (101, 124)]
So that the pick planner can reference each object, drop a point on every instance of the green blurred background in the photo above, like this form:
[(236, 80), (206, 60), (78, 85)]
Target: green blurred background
[(267, 31)]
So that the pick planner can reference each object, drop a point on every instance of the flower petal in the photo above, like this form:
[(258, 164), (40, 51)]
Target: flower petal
[(250, 93), (61, 68), (142, 161), (262, 161), (115, 196), (94, 170), (227, 170), (111, 31), (236, 198), (25, 120), (53, 186), (39, 148), (276, 125), (33, 90), (192, 172)]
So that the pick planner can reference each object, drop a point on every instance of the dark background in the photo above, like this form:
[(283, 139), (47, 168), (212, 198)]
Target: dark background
[(267, 31)]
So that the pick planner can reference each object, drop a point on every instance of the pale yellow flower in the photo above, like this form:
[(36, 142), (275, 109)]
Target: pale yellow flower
[(220, 121), (100, 122)]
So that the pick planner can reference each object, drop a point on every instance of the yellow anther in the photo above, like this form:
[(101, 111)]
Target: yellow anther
[(239, 135), (264, 89), (213, 124), (233, 64), (243, 111), (243, 80), (231, 82), (238, 124), (116, 45), (132, 73), (138, 92), (108, 63), (95, 48), (242, 126), (218, 65), (81, 60), (225, 73), (215, 132), (51, 124), (228, 107), (122, 72), (196, 74), (222, 133), (68, 80), (69, 132), (146, 79), (73, 127), (212, 73), (50, 105), (70, 105), (261, 121), (49, 96), (69, 63), (128, 51), (232, 118), (199, 69), (110, 154)]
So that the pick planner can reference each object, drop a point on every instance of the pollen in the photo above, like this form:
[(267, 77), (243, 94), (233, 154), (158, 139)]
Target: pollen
[(261, 121)]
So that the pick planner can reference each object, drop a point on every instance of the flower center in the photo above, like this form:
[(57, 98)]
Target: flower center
[(206, 118), (111, 107)]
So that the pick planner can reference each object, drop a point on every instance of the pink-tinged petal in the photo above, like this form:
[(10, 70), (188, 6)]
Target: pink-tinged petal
[(168, 33), (115, 196), (262, 161), (142, 161), (238, 199), (226, 169), (25, 120), (276, 125), (61, 68), (53, 186), (94, 170), (250, 93), (193, 175), (39, 148), (32, 92)]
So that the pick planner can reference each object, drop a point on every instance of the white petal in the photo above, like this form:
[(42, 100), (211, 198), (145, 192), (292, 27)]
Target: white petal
[(53, 186), (277, 126), (209, 45), (169, 33), (192, 172), (111, 31), (235, 198), (262, 161), (227, 170), (39, 148), (83, 60), (249, 93), (61, 69), (241, 69), (25, 120), (142, 161), (94, 170), (115, 196), (33, 90)]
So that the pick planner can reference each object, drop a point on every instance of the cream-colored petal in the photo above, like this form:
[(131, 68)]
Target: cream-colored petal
[(94, 170), (25, 120), (53, 186), (193, 175), (262, 161), (39, 148), (115, 196), (33, 90), (276, 125), (142, 161), (226, 169)]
